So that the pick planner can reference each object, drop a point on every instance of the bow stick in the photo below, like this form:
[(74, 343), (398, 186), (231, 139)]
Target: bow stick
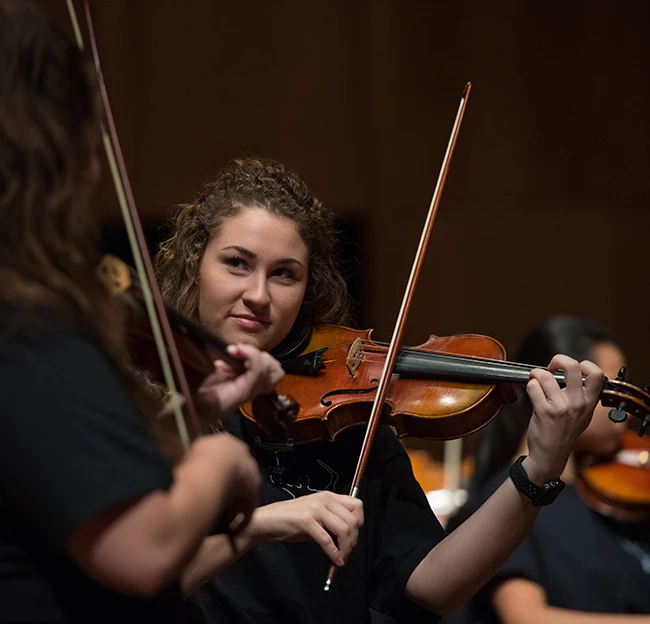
[(396, 340), (160, 326)]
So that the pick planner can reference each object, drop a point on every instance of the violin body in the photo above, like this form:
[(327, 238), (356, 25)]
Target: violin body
[(335, 379), (619, 488)]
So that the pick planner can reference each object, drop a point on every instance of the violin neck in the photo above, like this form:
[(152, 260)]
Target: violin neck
[(427, 365)]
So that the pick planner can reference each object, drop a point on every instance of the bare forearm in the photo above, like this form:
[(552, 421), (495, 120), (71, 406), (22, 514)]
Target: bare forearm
[(457, 567), (215, 554), (521, 601), (157, 535), (467, 558), (565, 616), (195, 501)]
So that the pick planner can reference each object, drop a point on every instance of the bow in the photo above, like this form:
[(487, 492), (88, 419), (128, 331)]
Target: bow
[(165, 344), (396, 340)]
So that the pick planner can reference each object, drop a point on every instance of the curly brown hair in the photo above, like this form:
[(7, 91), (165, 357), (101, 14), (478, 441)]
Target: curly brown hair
[(263, 183)]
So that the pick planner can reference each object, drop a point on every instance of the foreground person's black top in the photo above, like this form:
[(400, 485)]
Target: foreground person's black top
[(72, 447)]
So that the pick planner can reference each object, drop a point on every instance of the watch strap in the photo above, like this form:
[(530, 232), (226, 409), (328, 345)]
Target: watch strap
[(539, 495)]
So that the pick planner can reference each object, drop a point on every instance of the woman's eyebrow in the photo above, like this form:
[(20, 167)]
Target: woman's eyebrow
[(253, 256)]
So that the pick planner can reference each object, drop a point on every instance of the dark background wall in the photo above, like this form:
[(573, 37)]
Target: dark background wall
[(546, 205)]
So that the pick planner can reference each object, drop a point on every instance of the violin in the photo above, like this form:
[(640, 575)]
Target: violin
[(445, 388), (619, 487)]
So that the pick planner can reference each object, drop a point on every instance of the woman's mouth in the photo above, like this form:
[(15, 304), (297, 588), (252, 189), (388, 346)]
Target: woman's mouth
[(249, 322)]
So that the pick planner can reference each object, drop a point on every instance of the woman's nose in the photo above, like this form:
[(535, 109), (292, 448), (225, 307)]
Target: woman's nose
[(257, 293)]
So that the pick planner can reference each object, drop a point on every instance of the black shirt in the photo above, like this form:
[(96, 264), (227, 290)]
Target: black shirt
[(282, 583), (72, 447), (583, 561)]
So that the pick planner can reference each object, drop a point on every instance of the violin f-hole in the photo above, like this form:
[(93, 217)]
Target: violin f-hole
[(325, 403)]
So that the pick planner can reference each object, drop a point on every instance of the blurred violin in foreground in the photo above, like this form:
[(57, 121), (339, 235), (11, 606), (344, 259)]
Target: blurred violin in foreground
[(197, 349), (163, 343)]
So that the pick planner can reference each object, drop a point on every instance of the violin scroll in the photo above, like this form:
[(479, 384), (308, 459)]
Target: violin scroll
[(626, 399)]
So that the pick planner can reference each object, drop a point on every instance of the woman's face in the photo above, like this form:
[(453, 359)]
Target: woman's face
[(602, 436), (253, 277)]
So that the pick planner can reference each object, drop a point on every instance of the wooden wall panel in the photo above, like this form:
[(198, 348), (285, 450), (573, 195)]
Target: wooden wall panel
[(546, 207)]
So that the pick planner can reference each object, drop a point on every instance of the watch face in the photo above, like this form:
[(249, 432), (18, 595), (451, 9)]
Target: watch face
[(548, 493)]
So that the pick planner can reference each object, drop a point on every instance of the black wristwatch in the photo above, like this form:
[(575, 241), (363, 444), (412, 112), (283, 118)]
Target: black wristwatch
[(540, 495)]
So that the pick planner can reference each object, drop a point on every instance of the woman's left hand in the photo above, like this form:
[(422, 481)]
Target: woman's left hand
[(560, 415)]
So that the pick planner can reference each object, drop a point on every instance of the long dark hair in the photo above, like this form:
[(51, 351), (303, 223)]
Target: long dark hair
[(49, 129), (497, 442), (47, 116)]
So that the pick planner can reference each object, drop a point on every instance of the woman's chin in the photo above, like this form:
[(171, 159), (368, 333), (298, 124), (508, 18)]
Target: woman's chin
[(258, 339), (232, 333)]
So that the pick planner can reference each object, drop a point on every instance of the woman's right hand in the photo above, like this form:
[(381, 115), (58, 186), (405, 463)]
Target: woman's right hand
[(224, 390), (331, 520), (242, 474)]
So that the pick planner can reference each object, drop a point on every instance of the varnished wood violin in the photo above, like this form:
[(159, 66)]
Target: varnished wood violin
[(443, 389), (619, 487)]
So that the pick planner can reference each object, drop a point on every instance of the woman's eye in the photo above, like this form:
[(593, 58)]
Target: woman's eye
[(236, 263), (285, 274)]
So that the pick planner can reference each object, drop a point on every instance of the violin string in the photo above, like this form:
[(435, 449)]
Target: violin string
[(377, 357), (462, 358), (495, 365), (473, 359), (377, 349)]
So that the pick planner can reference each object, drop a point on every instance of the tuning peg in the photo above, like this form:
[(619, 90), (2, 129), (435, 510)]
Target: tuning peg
[(644, 426), (622, 374), (618, 414)]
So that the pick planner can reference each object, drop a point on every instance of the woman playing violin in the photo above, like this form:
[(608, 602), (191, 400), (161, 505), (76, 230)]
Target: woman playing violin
[(575, 565), (96, 524), (252, 258)]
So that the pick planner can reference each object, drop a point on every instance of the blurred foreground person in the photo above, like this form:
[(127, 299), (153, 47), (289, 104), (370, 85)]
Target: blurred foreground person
[(96, 525)]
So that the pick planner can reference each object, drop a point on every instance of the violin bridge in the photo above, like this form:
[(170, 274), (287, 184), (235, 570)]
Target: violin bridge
[(355, 357)]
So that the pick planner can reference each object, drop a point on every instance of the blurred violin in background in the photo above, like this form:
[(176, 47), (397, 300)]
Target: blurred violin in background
[(620, 486)]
